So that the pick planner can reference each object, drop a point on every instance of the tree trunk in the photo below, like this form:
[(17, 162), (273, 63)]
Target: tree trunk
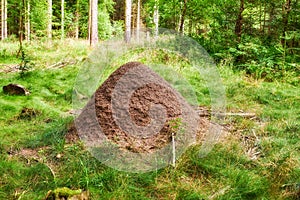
[(156, 17), (62, 19), (128, 21), (286, 9), (181, 27), (265, 14), (27, 26), (260, 17), (3, 19), (272, 15), (138, 22), (239, 21), (49, 26), (77, 20), (21, 27), (94, 23), (90, 20)]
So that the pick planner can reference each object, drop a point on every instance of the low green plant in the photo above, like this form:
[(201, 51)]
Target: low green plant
[(227, 172), (26, 63)]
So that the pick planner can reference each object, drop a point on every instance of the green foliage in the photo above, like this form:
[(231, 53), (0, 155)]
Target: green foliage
[(38, 18), (118, 28), (26, 63), (105, 28), (226, 173)]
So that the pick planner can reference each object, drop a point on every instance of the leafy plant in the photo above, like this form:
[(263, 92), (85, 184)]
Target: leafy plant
[(26, 63)]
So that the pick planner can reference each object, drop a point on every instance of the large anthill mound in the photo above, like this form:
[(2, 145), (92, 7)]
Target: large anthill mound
[(135, 109)]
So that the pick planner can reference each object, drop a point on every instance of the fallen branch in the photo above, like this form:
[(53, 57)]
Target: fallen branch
[(9, 68), (62, 64), (219, 193), (245, 115), (206, 113)]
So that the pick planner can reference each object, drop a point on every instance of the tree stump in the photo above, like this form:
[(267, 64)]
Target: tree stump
[(15, 89)]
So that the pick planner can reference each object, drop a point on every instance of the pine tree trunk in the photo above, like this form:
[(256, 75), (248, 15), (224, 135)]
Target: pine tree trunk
[(94, 23), (62, 19), (49, 26), (21, 27), (239, 22), (128, 21)]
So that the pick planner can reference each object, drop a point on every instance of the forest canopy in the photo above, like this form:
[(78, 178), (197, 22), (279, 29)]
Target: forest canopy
[(260, 37)]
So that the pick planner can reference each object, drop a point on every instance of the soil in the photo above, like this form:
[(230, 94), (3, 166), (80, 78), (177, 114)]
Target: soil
[(138, 127)]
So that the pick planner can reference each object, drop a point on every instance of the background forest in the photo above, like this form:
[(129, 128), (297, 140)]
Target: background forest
[(261, 37), (255, 45)]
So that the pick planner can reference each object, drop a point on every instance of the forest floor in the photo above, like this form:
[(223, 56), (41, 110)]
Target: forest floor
[(258, 158)]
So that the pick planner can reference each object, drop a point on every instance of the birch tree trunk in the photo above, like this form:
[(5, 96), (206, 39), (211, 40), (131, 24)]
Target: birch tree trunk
[(3, 19), (27, 26), (182, 18), (90, 20), (138, 20), (62, 19), (128, 21), (156, 17), (94, 23), (77, 20), (49, 26)]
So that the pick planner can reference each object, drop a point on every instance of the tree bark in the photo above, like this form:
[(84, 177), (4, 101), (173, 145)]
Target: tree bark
[(90, 20), (181, 27), (128, 21), (272, 14), (49, 26), (265, 14), (27, 26), (3, 19), (77, 20), (94, 23), (138, 22), (239, 21), (156, 17), (286, 9), (62, 19), (21, 27)]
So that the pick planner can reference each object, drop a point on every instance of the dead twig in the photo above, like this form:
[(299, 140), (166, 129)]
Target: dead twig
[(219, 193), (62, 64), (207, 113)]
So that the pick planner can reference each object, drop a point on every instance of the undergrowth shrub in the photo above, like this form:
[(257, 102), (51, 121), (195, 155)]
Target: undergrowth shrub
[(26, 63)]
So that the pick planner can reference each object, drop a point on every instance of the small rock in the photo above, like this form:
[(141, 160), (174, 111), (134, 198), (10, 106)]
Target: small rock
[(15, 89)]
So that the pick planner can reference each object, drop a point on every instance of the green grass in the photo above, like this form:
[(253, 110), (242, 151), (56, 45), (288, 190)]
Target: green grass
[(226, 173)]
